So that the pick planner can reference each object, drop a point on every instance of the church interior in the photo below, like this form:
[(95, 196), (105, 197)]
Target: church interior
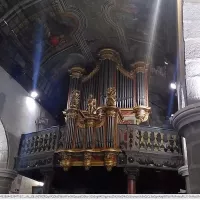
[(99, 97)]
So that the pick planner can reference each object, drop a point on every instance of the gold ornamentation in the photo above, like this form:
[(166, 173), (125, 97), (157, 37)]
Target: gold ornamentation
[(111, 97), (65, 163), (139, 66), (110, 54), (111, 112), (87, 160), (76, 72), (141, 113), (110, 160), (92, 105), (89, 76), (124, 71), (75, 99), (70, 113)]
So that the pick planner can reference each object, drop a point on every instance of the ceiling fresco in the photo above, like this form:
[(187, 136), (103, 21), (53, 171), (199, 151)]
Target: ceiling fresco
[(67, 32)]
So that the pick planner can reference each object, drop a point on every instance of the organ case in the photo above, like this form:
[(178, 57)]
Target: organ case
[(97, 103)]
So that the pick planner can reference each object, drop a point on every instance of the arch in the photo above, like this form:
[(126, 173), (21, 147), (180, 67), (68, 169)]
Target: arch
[(3, 147)]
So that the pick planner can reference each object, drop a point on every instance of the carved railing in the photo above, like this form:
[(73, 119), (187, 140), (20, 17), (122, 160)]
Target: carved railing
[(149, 147), (149, 139), (39, 142), (140, 146)]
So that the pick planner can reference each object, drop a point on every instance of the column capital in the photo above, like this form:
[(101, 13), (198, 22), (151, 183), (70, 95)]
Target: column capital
[(76, 71), (132, 173), (6, 178), (183, 171), (186, 116)]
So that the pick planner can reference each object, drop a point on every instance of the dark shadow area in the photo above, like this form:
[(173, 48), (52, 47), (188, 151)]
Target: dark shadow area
[(152, 181), (95, 181)]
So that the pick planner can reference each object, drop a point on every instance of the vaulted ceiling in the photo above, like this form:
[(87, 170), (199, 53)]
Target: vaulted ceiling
[(40, 39)]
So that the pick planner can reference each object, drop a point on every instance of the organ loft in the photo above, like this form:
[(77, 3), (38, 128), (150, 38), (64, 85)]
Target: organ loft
[(107, 130), (89, 97)]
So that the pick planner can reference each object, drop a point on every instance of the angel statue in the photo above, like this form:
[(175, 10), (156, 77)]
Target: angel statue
[(92, 105)]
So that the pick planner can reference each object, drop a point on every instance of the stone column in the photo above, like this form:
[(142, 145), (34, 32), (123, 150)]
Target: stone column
[(6, 178), (48, 178), (187, 122), (132, 175), (183, 171), (187, 119)]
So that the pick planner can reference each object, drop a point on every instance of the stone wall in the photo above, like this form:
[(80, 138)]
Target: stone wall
[(18, 114), (191, 24)]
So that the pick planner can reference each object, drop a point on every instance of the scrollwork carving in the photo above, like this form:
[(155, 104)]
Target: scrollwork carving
[(65, 162), (111, 97), (110, 160), (75, 99), (87, 160)]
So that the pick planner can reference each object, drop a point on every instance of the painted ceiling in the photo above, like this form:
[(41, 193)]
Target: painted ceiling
[(56, 34)]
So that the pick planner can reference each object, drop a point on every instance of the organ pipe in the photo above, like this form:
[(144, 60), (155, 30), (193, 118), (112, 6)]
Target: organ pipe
[(141, 109)]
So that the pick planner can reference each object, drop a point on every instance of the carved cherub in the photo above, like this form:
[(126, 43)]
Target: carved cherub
[(92, 105)]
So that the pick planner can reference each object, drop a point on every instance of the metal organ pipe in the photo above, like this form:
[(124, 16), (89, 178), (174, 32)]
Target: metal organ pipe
[(140, 71), (73, 103)]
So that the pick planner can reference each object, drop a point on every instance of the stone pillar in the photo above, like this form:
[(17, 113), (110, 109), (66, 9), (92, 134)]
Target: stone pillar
[(187, 122), (187, 119), (48, 178), (132, 175), (183, 171), (6, 178)]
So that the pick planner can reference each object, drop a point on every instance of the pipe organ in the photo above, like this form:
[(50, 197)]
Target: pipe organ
[(97, 103)]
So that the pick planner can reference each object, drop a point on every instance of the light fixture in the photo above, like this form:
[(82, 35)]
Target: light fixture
[(166, 63), (34, 94), (173, 86)]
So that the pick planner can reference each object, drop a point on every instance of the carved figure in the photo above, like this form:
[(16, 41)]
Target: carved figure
[(92, 105), (75, 99), (111, 97)]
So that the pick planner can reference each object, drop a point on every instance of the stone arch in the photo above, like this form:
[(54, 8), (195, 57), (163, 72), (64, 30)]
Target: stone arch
[(6, 175), (3, 147)]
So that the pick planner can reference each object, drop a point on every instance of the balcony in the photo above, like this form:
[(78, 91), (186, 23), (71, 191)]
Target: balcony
[(136, 146)]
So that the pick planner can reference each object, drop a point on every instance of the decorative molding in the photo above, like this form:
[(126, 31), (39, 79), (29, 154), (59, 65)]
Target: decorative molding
[(7, 173), (76, 71), (149, 160), (132, 172), (89, 76), (183, 171), (186, 116)]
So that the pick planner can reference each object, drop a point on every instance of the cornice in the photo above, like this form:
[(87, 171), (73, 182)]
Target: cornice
[(186, 116)]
